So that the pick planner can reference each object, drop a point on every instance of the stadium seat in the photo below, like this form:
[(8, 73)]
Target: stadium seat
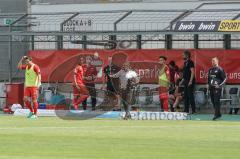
[(155, 97), (203, 89), (47, 96), (224, 99), (144, 96), (201, 97), (234, 96)]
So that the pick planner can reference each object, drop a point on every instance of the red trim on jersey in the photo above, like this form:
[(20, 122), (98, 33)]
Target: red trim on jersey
[(35, 68), (167, 71)]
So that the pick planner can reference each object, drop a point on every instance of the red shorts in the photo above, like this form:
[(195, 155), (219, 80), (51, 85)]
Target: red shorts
[(31, 92), (163, 90)]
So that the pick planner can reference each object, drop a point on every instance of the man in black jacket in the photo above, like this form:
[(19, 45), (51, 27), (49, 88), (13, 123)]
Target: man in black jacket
[(188, 82), (216, 79), (112, 93)]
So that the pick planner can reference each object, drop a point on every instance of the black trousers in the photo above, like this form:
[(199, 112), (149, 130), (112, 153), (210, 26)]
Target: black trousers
[(126, 98), (92, 93), (215, 95), (189, 98)]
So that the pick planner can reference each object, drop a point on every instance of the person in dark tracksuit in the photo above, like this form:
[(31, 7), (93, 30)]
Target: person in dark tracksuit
[(216, 79), (189, 82), (112, 88), (89, 76)]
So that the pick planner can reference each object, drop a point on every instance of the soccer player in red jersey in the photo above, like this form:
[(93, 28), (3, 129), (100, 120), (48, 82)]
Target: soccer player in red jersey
[(80, 92), (164, 82), (31, 85)]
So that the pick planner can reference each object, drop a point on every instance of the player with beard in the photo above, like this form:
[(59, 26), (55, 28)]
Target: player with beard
[(189, 82), (31, 85)]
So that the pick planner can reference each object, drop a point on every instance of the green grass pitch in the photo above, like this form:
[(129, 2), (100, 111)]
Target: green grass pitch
[(53, 138)]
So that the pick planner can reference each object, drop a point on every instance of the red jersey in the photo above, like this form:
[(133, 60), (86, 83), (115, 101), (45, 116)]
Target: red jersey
[(90, 71), (35, 68), (78, 74), (167, 71)]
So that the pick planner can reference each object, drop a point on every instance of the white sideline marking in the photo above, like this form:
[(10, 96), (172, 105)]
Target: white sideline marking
[(83, 127), (157, 126)]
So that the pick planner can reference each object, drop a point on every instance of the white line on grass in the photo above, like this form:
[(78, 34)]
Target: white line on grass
[(130, 126)]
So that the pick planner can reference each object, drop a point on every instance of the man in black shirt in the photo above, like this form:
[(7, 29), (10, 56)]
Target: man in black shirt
[(108, 70), (188, 82), (112, 84), (216, 78)]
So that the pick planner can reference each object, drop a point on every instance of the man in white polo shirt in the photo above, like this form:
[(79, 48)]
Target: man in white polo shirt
[(128, 78)]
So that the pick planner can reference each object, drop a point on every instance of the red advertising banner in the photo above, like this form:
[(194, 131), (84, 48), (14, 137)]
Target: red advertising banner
[(57, 65)]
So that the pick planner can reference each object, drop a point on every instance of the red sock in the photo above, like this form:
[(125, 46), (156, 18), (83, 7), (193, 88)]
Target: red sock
[(35, 105), (75, 102), (165, 104), (81, 99), (28, 105), (164, 100)]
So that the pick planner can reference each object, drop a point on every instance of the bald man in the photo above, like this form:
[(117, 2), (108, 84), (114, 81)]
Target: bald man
[(216, 79), (128, 79)]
